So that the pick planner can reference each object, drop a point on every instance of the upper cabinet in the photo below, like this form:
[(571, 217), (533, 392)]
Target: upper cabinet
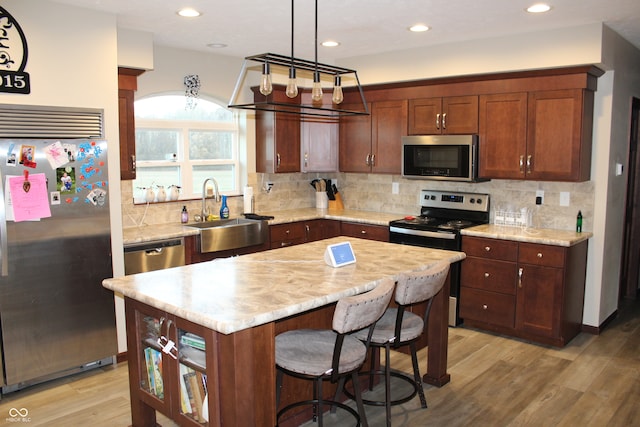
[(539, 135), (127, 85), (373, 143), (455, 115), (319, 145)]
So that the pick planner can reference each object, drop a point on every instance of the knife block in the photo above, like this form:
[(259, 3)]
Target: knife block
[(336, 205)]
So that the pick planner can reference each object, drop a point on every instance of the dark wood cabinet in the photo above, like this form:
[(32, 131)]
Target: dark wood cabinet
[(365, 231), (158, 379), (455, 115), (559, 133), (527, 290), (277, 140), (373, 143), (541, 135), (503, 135), (127, 85), (296, 233), (319, 145)]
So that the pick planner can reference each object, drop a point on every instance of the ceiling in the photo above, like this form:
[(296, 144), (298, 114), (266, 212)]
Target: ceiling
[(363, 27)]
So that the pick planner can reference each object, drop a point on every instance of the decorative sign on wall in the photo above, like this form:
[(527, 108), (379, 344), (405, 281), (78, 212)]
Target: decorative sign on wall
[(13, 56), (192, 87)]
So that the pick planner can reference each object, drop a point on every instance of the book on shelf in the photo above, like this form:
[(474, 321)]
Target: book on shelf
[(192, 340), (153, 361), (195, 387)]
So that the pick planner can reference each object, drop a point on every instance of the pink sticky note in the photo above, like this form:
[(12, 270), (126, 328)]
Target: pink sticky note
[(32, 204)]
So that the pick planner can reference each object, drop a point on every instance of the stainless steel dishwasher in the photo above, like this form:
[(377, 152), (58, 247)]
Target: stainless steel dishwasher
[(156, 255)]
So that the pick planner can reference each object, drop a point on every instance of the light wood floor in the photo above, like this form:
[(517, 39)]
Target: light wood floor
[(495, 381)]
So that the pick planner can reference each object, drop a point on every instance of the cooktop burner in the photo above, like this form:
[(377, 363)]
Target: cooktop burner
[(447, 211)]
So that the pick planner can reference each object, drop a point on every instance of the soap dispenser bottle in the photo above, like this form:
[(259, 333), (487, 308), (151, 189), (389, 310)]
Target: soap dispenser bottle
[(184, 217), (224, 209), (579, 222)]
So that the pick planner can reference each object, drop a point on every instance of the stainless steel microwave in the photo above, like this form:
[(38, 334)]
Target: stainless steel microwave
[(440, 157)]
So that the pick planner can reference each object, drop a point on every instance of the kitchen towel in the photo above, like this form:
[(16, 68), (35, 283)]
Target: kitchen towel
[(247, 197)]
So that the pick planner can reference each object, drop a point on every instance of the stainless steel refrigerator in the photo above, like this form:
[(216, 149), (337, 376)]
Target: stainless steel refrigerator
[(55, 250)]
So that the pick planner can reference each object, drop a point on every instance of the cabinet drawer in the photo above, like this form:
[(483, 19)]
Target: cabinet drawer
[(490, 275), (487, 307), (490, 248), (290, 231), (365, 231), (546, 255)]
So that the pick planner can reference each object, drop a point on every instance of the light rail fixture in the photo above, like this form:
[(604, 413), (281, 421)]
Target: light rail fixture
[(286, 84)]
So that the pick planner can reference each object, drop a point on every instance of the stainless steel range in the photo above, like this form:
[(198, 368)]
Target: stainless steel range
[(442, 216)]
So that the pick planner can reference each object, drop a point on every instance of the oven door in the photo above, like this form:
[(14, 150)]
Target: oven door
[(436, 240)]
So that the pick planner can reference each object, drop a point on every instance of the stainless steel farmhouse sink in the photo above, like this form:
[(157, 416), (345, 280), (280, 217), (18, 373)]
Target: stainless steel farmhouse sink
[(225, 234)]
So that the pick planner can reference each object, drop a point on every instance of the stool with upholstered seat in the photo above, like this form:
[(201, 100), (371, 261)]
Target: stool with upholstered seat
[(400, 327), (331, 354)]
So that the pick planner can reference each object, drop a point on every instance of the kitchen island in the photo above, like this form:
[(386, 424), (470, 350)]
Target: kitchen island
[(236, 306)]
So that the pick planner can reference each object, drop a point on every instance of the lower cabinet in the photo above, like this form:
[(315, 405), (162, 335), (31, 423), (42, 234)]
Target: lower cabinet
[(527, 290), (379, 233), (173, 382), (296, 233)]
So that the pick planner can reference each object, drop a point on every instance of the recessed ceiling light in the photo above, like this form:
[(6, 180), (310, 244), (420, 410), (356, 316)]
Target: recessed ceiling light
[(188, 12), (539, 8), (330, 43), (418, 28), (216, 45)]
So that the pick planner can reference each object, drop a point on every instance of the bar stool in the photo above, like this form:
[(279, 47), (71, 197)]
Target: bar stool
[(320, 355), (399, 327)]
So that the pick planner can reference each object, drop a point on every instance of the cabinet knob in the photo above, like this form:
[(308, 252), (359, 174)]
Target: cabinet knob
[(487, 248), (307, 228), (363, 231), (486, 275), (373, 160), (484, 306), (277, 160), (529, 163), (438, 121), (444, 121), (367, 161), (133, 162), (539, 254), (287, 231)]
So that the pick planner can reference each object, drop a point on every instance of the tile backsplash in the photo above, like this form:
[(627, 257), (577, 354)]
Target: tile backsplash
[(373, 192)]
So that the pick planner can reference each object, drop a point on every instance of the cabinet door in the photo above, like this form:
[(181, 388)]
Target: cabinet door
[(355, 142), (149, 383), (460, 115), (127, 85), (554, 141), (319, 229), (539, 300), (189, 382), (388, 126), (289, 234), (319, 146), (277, 142), (365, 231), (423, 116), (503, 135)]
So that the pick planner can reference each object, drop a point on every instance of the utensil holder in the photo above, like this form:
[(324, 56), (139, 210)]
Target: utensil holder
[(322, 201)]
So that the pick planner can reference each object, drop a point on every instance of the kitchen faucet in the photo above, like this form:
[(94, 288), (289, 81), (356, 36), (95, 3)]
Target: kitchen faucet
[(204, 196)]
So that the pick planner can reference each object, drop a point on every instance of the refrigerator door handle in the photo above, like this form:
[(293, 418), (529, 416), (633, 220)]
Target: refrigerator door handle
[(4, 261)]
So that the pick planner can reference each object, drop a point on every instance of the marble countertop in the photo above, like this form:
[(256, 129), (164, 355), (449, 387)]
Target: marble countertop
[(543, 236), (154, 232), (232, 294)]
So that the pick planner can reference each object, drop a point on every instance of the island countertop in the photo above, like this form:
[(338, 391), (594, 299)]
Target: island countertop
[(232, 294)]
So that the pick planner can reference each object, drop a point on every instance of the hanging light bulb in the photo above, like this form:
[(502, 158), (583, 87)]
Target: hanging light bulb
[(292, 86), (338, 96), (265, 82), (316, 89)]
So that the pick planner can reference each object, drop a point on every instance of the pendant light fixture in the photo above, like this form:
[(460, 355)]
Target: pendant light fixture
[(286, 84)]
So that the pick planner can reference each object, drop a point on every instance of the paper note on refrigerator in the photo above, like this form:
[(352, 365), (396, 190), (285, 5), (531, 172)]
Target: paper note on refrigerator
[(30, 202)]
